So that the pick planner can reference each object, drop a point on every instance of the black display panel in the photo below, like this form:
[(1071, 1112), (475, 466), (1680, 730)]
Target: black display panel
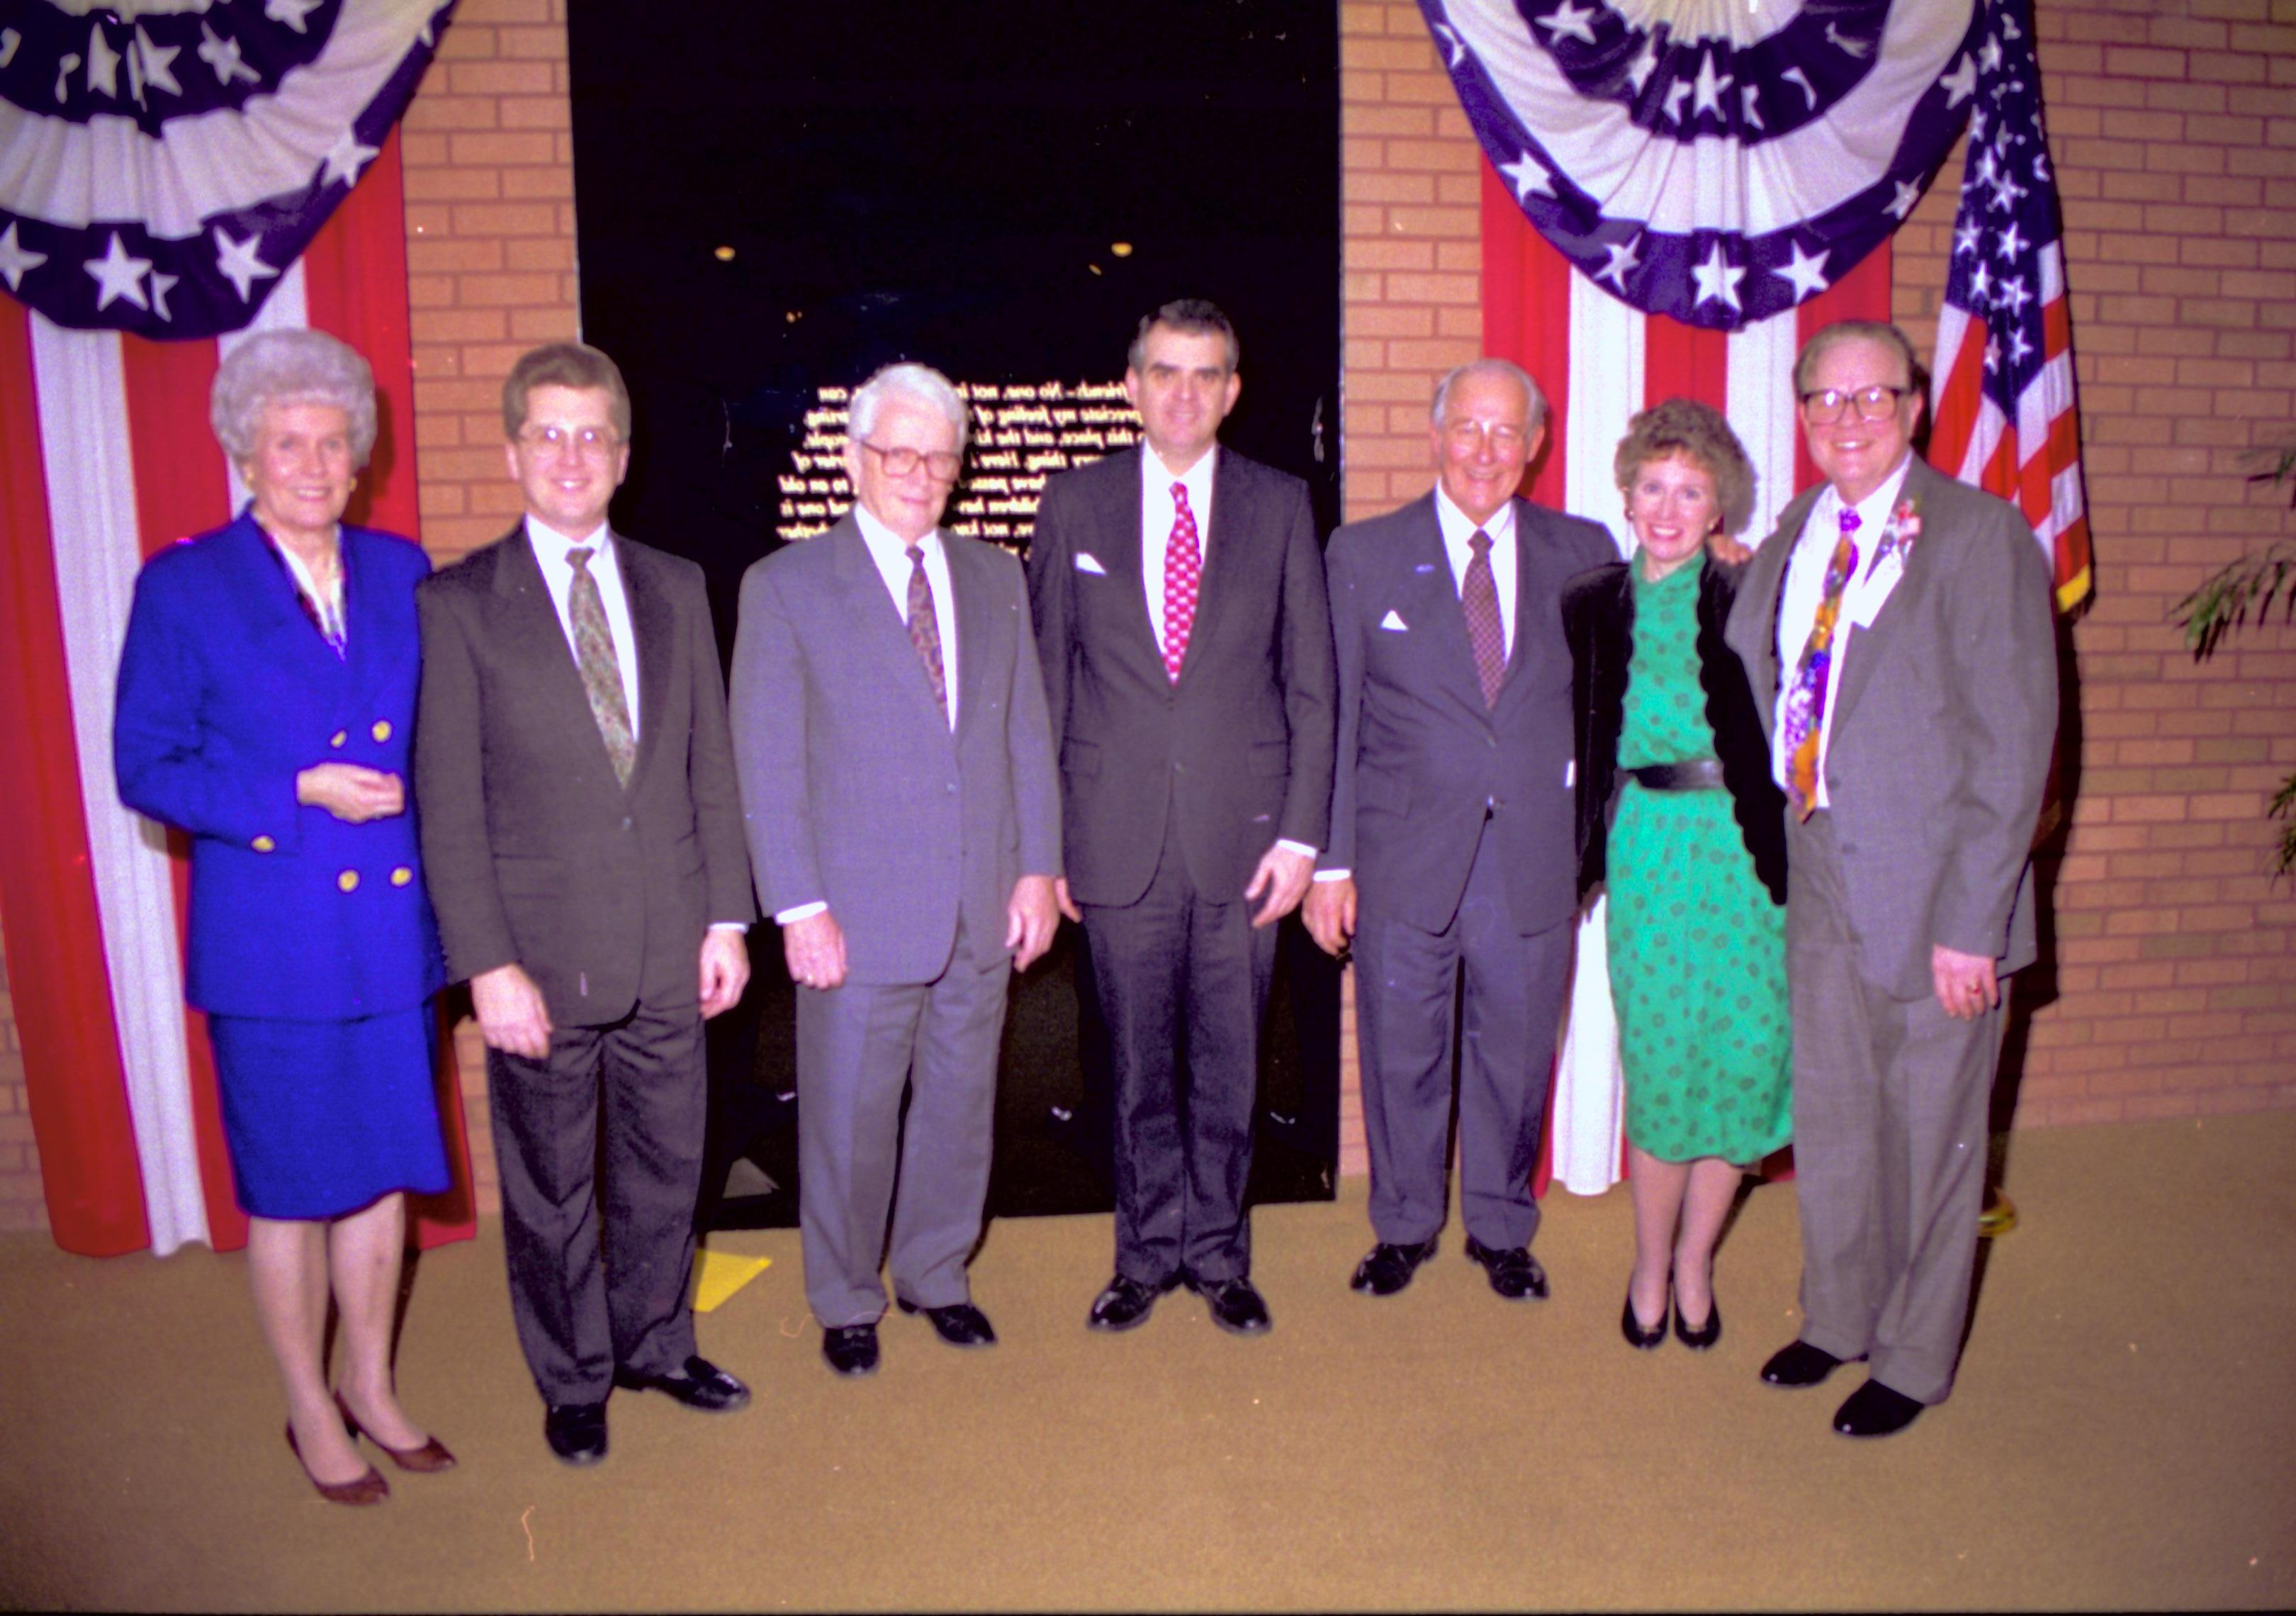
[(773, 201)]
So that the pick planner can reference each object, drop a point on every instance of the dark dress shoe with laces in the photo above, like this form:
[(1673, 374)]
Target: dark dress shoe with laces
[(1514, 1273), (576, 1431), (1389, 1267), (1125, 1302), (1706, 1334), (851, 1349), (1646, 1341), (1875, 1410), (960, 1324), (1798, 1363), (1234, 1305), (703, 1385)]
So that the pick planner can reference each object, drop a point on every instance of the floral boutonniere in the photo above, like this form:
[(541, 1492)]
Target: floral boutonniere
[(1897, 537)]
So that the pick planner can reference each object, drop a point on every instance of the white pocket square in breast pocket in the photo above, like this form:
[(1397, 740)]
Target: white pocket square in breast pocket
[(1392, 622), (1086, 561)]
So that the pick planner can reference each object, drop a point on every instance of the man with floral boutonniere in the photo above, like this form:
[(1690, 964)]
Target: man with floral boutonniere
[(1897, 631)]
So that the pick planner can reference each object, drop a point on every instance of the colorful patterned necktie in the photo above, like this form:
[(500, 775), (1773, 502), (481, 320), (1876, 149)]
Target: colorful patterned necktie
[(1479, 597), (1806, 702), (1182, 570), (924, 627), (602, 672)]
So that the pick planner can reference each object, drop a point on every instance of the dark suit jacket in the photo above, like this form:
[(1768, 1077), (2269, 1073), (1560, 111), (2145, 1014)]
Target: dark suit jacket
[(1598, 617), (538, 856), (1420, 755), (1240, 747), (226, 692), (1940, 732), (854, 788)]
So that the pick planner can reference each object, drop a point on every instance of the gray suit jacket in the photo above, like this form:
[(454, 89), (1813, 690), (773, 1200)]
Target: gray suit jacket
[(1240, 747), (1939, 737), (854, 791), (537, 855), (1420, 755)]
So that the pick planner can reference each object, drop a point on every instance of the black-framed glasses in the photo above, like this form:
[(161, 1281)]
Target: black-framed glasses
[(941, 463), (1824, 407)]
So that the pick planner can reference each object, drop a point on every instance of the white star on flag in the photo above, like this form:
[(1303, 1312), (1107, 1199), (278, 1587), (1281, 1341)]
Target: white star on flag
[(239, 260), (16, 258), (1453, 45), (1908, 194), (1964, 239), (223, 56), (2011, 244), (157, 62), (1750, 114), (1624, 261), (347, 157), (1644, 65), (1572, 19), (120, 275), (103, 64), (1961, 84), (1676, 93), (1806, 273), (290, 11), (1526, 174), (1709, 86), (1800, 81), (1718, 279), (160, 286)]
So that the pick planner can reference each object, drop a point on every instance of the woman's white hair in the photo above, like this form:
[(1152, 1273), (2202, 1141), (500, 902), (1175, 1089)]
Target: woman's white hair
[(919, 381), (291, 367)]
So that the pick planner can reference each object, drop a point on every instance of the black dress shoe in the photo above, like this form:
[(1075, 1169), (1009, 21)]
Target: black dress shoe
[(576, 1431), (960, 1324), (851, 1349), (1125, 1302), (1706, 1334), (1875, 1410), (1235, 1306), (1389, 1267), (1647, 1340), (1514, 1272), (703, 1385), (1798, 1363)]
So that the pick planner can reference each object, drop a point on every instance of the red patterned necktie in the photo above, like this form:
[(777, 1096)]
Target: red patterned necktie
[(1806, 702), (924, 627), (1479, 596), (1183, 570)]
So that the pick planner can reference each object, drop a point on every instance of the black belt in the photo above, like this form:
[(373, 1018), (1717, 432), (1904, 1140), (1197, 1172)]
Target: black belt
[(1703, 775)]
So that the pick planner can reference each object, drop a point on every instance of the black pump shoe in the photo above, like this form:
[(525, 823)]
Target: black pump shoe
[(1646, 1340)]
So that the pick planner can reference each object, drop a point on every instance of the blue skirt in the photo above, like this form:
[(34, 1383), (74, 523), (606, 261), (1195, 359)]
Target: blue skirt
[(327, 1117)]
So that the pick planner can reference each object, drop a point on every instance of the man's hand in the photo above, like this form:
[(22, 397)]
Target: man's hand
[(1068, 905), (351, 792), (512, 1016), (1030, 919), (1329, 912), (815, 950), (1283, 875), (1727, 550), (724, 969), (1966, 986)]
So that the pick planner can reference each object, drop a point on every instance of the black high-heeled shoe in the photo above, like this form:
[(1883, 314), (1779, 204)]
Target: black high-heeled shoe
[(1706, 1334), (1638, 1337)]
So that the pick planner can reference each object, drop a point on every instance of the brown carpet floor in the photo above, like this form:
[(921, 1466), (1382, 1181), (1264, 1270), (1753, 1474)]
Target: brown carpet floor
[(2124, 1435)]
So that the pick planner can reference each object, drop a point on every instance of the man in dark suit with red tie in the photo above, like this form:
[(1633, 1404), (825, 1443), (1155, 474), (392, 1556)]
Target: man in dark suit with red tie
[(1452, 842), (1178, 595), (583, 835)]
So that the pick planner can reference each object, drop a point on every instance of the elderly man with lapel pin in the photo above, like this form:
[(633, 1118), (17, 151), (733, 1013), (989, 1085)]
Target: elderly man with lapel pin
[(1896, 629), (904, 827), (582, 834), (1453, 832)]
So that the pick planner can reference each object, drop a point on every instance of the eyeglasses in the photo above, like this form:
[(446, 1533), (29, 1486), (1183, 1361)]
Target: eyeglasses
[(1505, 436), (941, 463), (592, 442), (1877, 403)]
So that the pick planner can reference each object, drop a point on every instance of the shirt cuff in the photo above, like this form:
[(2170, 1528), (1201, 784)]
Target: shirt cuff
[(1301, 847), (742, 926), (1335, 876), (783, 917)]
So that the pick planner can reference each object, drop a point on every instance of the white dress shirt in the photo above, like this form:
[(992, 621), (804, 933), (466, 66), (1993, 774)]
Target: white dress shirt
[(1458, 528), (891, 552), (1805, 589), (550, 548)]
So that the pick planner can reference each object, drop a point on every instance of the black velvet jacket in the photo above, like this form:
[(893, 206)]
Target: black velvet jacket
[(1598, 619)]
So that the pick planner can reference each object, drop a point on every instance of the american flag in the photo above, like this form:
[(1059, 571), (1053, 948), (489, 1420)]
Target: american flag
[(2002, 385)]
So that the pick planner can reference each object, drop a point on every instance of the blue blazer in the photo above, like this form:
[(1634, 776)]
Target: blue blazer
[(228, 692)]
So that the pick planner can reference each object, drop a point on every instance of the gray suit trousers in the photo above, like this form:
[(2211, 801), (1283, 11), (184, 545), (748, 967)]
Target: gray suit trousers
[(1407, 982), (859, 1047), (1889, 1111)]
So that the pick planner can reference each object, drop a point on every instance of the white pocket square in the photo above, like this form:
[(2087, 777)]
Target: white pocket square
[(1392, 621), (1086, 563)]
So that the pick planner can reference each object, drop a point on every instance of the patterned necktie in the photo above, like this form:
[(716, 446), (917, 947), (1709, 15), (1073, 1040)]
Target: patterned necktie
[(1182, 570), (1479, 595), (1806, 702), (602, 672), (924, 629)]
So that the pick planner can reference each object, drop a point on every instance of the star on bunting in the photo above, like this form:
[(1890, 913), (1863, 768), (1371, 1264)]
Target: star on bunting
[(240, 262), (1806, 273), (16, 258), (290, 11), (1527, 174), (347, 157), (1570, 18), (120, 275), (1718, 278), (1624, 261)]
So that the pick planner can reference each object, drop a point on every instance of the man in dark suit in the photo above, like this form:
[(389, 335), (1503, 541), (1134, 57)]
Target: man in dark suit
[(1452, 831), (1179, 605), (904, 827), (1896, 629), (583, 835)]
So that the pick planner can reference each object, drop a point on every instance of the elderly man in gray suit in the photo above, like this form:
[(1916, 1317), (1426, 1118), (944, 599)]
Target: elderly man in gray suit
[(904, 824), (1897, 629), (1451, 831)]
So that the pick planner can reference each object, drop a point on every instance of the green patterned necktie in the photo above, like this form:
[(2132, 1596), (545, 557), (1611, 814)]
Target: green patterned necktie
[(602, 672)]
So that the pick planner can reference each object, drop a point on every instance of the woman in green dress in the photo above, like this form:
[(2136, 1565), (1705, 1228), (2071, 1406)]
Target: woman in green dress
[(1678, 812)]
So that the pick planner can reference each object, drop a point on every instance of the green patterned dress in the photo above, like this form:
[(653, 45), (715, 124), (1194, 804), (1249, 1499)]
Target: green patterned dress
[(1697, 949)]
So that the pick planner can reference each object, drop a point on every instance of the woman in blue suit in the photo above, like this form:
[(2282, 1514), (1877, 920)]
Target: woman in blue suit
[(266, 705)]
